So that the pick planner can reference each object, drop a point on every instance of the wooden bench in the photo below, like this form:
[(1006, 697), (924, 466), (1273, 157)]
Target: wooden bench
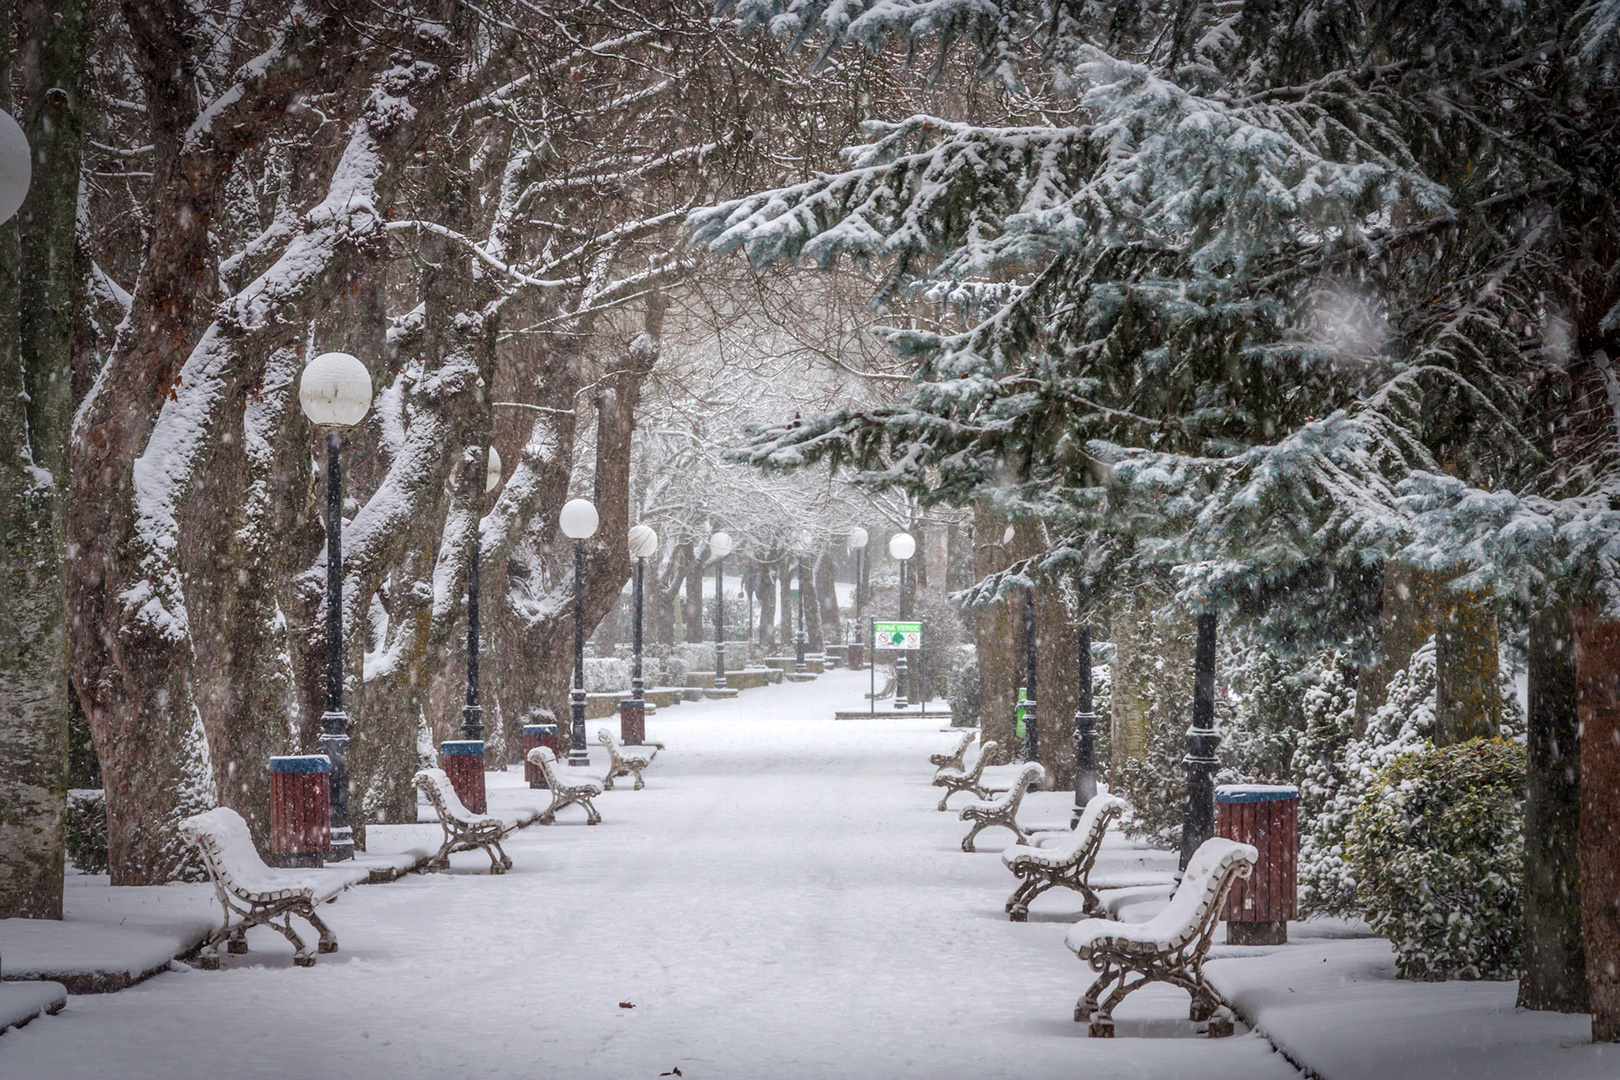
[(1003, 809), (622, 764), (254, 894), (1170, 947), (1067, 863), (463, 829), (953, 760), (577, 790), (965, 778)]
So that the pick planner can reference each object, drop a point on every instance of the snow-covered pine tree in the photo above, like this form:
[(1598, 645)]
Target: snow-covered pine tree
[(1285, 291)]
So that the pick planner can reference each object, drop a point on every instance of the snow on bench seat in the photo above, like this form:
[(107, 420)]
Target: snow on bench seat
[(256, 893), (623, 764), (1170, 947), (568, 787), (463, 829), (966, 778), (1003, 809), (1067, 863)]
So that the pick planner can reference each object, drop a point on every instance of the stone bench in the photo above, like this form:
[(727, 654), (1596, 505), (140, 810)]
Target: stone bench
[(254, 894), (1003, 809), (1170, 947), (463, 829), (577, 790), (813, 664), (741, 679), (966, 777), (1067, 863), (622, 764)]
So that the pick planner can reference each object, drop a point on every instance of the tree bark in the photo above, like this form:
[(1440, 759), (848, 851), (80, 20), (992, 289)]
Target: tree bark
[(1597, 697), (996, 632), (1469, 697), (1406, 620), (827, 594), (1554, 966), (767, 607), (39, 297)]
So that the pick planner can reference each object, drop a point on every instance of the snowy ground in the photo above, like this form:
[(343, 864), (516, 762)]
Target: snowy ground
[(781, 901)]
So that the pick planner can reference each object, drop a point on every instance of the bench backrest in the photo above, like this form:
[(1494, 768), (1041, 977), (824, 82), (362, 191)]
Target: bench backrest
[(1195, 908), (1031, 773), (547, 762), (960, 749), (605, 737), (436, 785), (222, 837), (986, 755), (1086, 839)]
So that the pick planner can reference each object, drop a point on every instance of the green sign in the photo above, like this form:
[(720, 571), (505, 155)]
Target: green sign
[(897, 635), (1018, 713)]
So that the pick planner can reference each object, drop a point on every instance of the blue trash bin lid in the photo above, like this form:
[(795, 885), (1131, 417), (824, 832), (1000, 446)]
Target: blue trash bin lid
[(301, 763), (461, 747), (539, 729), (1237, 793)]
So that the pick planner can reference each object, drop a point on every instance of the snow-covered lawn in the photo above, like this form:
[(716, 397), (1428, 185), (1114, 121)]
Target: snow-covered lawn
[(781, 901)]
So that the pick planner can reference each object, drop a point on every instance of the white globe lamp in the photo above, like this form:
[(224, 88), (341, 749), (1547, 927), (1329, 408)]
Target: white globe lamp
[(643, 542), (492, 474), (902, 546), (720, 545), (335, 390), (16, 166), (858, 538), (578, 519)]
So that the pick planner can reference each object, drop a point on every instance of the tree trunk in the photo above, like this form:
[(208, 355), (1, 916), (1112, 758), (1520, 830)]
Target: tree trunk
[(1149, 672), (1597, 697), (785, 614), (1406, 620), (811, 582), (693, 609), (39, 297), (1057, 674), (767, 608), (1554, 966), (996, 632), (1469, 697), (827, 593)]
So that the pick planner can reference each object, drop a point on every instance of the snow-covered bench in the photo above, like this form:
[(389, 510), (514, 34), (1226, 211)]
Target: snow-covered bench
[(566, 790), (622, 764), (463, 829), (953, 760), (1003, 809), (1067, 863), (1170, 947), (253, 894), (965, 778)]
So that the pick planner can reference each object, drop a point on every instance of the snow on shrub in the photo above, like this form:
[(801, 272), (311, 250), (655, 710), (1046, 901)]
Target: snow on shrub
[(962, 685), (1336, 770), (1437, 847), (606, 673)]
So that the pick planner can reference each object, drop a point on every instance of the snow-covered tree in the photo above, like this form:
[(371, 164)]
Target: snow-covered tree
[(1283, 293)]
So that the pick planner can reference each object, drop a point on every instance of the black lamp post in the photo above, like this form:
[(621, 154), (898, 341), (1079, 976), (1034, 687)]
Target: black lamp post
[(719, 547), (1085, 734), (858, 538), (335, 393), (578, 521), (902, 546), (472, 714), (799, 638), (1031, 732), (1198, 824)]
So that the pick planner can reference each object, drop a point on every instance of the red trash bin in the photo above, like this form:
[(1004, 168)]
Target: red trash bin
[(855, 656), (1266, 815), (463, 761), (300, 809), (632, 722), (537, 735)]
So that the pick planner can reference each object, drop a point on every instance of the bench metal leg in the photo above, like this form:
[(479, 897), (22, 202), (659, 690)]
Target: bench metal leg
[(328, 942)]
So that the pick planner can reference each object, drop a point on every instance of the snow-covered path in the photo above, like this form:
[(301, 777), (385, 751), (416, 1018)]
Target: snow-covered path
[(781, 901)]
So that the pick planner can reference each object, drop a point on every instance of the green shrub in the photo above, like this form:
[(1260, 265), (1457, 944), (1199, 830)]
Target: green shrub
[(1437, 849), (962, 686), (87, 830)]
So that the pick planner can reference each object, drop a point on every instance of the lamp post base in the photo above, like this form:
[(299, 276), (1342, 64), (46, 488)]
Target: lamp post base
[(578, 755)]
